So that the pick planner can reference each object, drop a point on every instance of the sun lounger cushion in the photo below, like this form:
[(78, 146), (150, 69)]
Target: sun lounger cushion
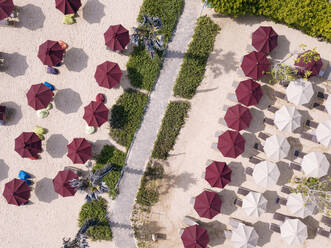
[(52, 70), (49, 86)]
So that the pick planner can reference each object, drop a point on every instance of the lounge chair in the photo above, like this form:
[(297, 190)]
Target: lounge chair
[(286, 190), (222, 121), (281, 201), (240, 72), (52, 70), (249, 171), (254, 160), (227, 234), (284, 84), (235, 84), (309, 136), (324, 69), (321, 95), (180, 233), (312, 124), (274, 227), (272, 109), (234, 222), (214, 146), (319, 106), (323, 232), (278, 216), (280, 95), (225, 107), (257, 147), (299, 154), (250, 48), (203, 175), (268, 121), (238, 202), (263, 136), (189, 221), (295, 166), (243, 191), (208, 162), (232, 97), (326, 220), (217, 133)]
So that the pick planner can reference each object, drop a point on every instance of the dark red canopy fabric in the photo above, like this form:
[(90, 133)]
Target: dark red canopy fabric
[(68, 6), (208, 204), (50, 53), (249, 92), (108, 74), (312, 65), (264, 39), (6, 8), (117, 37), (218, 174), (195, 237), (39, 96), (95, 114), (17, 192), (79, 151), (62, 185), (238, 117), (28, 145), (231, 144), (255, 65)]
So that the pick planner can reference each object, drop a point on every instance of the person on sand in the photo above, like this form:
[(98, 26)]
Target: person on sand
[(64, 46)]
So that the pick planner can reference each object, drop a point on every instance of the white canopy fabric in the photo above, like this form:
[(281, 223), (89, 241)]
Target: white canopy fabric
[(293, 232), (328, 105), (266, 174), (244, 236), (254, 204), (323, 133), (315, 164), (297, 206), (287, 118), (299, 92), (276, 147)]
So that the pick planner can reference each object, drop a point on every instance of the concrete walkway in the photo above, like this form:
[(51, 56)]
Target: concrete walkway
[(121, 208)]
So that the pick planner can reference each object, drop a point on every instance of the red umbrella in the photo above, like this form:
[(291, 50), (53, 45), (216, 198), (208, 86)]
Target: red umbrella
[(218, 174), (255, 64), (238, 117), (39, 96), (6, 8), (79, 151), (95, 114), (195, 237), (108, 74), (62, 183), (249, 92), (208, 204), (28, 145), (17, 192), (231, 144), (50, 53), (117, 37), (264, 39), (313, 65), (68, 6)]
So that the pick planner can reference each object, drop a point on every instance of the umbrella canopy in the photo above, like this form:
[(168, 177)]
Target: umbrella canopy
[(195, 237), (276, 147), (62, 185), (231, 144), (6, 8), (244, 236), (313, 64), (255, 65), (323, 133), (328, 104), (28, 145), (108, 74), (254, 204), (17, 192), (207, 204), (68, 6), (287, 118), (95, 114), (79, 151), (238, 117), (297, 206), (218, 174), (266, 174), (264, 39), (249, 92), (39, 96), (117, 37), (315, 164), (50, 53), (299, 92), (293, 232)]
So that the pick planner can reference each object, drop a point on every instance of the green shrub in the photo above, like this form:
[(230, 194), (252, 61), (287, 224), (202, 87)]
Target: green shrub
[(172, 122), (195, 59)]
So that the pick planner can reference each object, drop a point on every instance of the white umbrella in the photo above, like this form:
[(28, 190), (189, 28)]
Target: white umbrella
[(287, 118), (293, 232), (328, 104), (297, 206), (323, 133), (315, 164), (244, 236), (276, 147), (299, 92), (254, 204), (266, 174)]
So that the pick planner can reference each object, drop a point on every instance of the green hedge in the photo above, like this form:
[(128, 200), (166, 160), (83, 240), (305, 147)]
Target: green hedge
[(311, 16), (195, 58), (172, 122)]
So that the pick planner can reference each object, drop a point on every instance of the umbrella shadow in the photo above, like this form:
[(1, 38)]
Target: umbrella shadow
[(4, 168), (228, 197), (31, 17), (305, 116), (76, 59), (133, 75), (215, 231), (282, 49), (93, 11), (44, 190), (250, 139), (119, 117), (286, 173), (15, 64), (125, 81), (14, 114), (312, 225), (267, 99), (295, 146), (56, 145), (222, 62), (262, 229), (143, 231), (67, 101), (99, 144), (238, 175), (257, 123), (271, 197)]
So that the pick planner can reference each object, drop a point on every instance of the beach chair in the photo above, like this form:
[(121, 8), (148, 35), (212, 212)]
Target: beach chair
[(323, 232), (319, 106), (309, 136), (295, 166), (274, 227), (250, 48), (203, 174), (249, 171), (222, 121), (232, 97), (284, 84), (180, 233), (192, 201), (280, 95), (243, 191), (263, 136), (214, 146), (320, 95), (234, 222), (279, 217), (281, 201), (240, 72), (208, 162), (217, 133), (324, 68), (326, 220), (51, 70), (189, 221), (78, 171), (286, 190), (227, 234), (268, 121), (311, 123), (238, 202), (272, 109), (298, 154), (235, 84), (225, 107), (257, 147), (254, 160)]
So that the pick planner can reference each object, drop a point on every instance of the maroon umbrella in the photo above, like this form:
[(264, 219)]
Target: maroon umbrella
[(208, 204), (68, 6), (231, 144), (28, 145), (50, 53), (17, 192), (39, 96), (195, 237), (117, 37), (6, 8), (62, 185), (249, 92), (95, 114), (218, 174), (264, 39), (79, 151), (313, 64), (238, 117), (255, 65), (108, 74)]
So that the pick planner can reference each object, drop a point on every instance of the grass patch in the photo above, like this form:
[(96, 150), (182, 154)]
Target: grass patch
[(195, 58)]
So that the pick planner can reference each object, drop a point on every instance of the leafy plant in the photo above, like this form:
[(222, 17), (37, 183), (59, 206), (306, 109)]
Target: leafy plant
[(282, 73)]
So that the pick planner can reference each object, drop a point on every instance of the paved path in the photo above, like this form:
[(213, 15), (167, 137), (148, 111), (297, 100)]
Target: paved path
[(121, 208)]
